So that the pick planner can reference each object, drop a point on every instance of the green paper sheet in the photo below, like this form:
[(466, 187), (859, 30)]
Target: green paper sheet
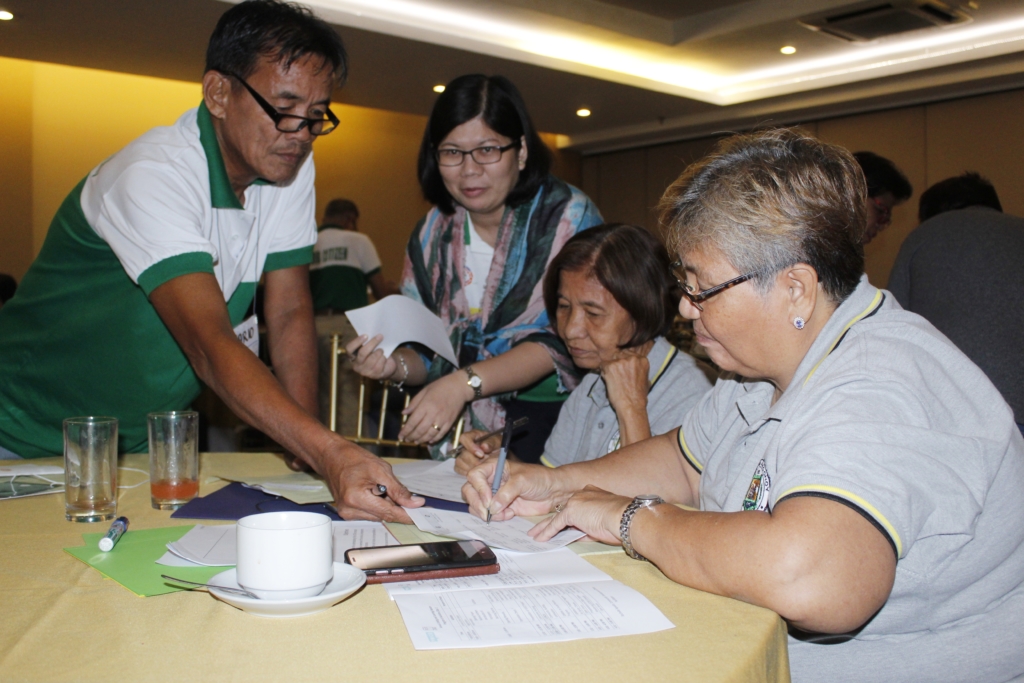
[(132, 562)]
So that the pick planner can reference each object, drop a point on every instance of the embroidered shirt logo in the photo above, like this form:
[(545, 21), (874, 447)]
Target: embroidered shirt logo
[(760, 487)]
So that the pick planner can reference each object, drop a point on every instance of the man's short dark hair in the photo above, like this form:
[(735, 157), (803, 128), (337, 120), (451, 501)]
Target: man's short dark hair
[(282, 32), (341, 208), (883, 176), (8, 286), (503, 110), (632, 264), (958, 192)]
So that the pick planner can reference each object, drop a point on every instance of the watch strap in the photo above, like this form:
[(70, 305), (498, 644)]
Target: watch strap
[(627, 521), (477, 386)]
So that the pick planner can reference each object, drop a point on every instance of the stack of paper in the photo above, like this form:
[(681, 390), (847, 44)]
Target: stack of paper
[(431, 478), (511, 534), (214, 546), (537, 598)]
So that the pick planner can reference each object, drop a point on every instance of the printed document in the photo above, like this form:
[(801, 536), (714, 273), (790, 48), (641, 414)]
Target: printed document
[(214, 546), (511, 534), (517, 570), (516, 616), (432, 478), (402, 320)]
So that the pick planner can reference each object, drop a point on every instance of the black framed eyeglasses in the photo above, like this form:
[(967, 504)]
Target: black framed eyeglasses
[(695, 297), (487, 154), (290, 123)]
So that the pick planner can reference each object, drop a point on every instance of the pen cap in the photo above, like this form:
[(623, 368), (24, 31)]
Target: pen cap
[(106, 544)]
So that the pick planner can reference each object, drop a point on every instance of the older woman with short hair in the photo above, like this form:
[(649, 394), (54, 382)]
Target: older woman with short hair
[(612, 297), (861, 477)]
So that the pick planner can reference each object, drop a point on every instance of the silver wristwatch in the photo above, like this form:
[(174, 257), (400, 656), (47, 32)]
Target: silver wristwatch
[(627, 520), (475, 383)]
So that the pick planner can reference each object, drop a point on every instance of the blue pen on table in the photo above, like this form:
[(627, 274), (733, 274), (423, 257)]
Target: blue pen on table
[(499, 471), (119, 526)]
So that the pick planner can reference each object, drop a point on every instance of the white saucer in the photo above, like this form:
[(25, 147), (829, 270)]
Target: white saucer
[(347, 580)]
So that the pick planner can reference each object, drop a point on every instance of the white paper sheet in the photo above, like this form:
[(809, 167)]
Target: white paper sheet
[(431, 478), (214, 546), (208, 546), (402, 320), (552, 568), (511, 535), (515, 616)]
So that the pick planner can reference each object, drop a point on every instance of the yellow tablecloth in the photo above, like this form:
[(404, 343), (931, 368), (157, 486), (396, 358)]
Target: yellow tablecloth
[(61, 620)]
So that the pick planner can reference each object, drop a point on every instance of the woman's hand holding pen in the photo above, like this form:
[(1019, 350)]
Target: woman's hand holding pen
[(527, 490), (472, 453)]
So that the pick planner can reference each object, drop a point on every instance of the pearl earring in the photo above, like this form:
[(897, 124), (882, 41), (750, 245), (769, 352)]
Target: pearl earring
[(798, 323)]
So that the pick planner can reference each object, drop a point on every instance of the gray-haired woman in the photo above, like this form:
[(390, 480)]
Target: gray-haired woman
[(862, 477)]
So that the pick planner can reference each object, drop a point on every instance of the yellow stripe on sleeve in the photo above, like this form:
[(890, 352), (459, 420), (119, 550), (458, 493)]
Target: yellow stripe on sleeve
[(854, 498), (689, 454), (664, 364), (547, 463)]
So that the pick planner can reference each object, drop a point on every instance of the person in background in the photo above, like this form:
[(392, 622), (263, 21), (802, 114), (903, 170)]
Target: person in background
[(962, 270), (477, 260), (8, 286), (142, 288), (966, 191), (345, 264), (887, 189), (612, 296), (860, 477)]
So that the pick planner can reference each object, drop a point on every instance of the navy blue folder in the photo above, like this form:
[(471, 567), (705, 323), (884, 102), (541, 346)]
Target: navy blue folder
[(235, 501)]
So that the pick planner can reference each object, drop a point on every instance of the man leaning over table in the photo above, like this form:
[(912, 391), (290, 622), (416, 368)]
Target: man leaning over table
[(144, 284)]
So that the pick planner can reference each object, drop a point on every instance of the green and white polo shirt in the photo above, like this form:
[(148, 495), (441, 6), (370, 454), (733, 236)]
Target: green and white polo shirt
[(81, 337), (343, 260)]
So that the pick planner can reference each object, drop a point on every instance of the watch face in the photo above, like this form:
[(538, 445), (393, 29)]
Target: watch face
[(475, 381), (648, 498)]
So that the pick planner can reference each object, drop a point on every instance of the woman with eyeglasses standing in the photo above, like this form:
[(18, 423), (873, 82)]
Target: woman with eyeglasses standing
[(477, 260)]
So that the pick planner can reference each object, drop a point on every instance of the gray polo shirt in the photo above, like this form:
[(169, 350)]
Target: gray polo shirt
[(587, 426), (886, 416)]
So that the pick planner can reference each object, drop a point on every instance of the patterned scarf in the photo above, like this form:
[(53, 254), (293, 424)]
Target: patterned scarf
[(512, 310)]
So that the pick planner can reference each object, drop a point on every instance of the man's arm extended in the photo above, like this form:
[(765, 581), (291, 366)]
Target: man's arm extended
[(291, 336), (192, 306)]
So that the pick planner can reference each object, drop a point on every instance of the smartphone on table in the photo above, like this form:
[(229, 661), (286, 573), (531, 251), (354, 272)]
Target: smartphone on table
[(422, 561)]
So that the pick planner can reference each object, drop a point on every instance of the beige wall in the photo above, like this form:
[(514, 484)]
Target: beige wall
[(928, 142), (15, 167), (59, 122)]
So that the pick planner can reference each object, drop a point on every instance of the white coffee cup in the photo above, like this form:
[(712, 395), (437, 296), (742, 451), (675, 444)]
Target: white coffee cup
[(285, 555)]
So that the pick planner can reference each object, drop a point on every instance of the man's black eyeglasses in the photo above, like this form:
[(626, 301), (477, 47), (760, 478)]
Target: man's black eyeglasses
[(289, 123), (695, 297)]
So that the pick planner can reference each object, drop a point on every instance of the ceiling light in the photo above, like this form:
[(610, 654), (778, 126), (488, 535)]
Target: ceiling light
[(438, 88), (584, 112), (788, 50), (510, 34), (5, 15)]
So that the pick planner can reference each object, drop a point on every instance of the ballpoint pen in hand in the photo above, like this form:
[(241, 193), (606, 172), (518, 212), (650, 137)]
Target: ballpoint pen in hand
[(499, 471), (483, 437)]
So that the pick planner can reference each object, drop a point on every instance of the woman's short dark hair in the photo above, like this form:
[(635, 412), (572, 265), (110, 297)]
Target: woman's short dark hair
[(632, 264), (503, 110), (283, 32)]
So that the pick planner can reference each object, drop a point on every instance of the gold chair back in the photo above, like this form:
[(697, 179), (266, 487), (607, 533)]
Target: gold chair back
[(337, 350)]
